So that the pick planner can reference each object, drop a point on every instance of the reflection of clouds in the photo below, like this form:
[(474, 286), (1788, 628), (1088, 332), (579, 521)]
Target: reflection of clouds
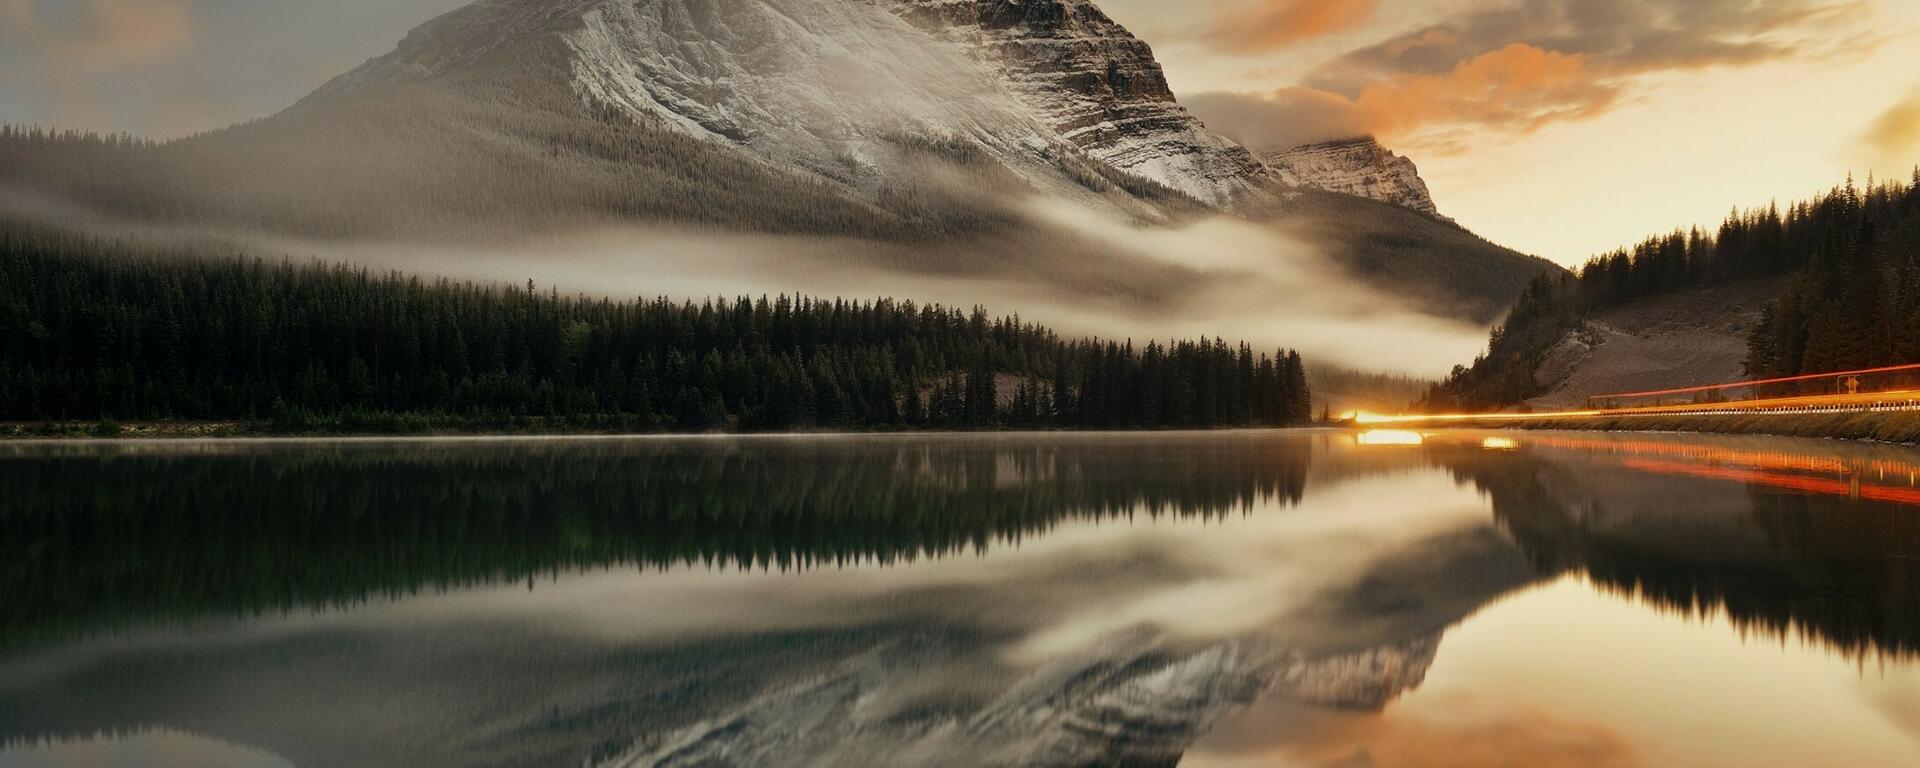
[(1190, 580), (1132, 635), (1281, 733), (147, 748), (1896, 694)]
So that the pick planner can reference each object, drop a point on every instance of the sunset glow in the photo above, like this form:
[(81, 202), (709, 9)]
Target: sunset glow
[(1506, 112)]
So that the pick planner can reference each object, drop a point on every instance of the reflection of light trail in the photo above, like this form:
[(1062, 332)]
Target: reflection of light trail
[(1779, 470), (1390, 437), (1872, 402), (1774, 460), (1781, 481), (1879, 469)]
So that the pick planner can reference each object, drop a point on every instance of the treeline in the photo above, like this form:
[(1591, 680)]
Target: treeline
[(97, 332), (1855, 302), (1838, 571)]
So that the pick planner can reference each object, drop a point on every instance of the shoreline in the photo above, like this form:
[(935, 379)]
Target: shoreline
[(187, 431), (1885, 428), (1888, 428)]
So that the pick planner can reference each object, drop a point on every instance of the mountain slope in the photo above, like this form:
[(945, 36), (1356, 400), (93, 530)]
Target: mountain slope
[(1422, 260), (1054, 93), (902, 137)]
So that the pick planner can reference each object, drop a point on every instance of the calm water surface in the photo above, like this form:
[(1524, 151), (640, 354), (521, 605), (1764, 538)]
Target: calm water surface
[(1226, 599)]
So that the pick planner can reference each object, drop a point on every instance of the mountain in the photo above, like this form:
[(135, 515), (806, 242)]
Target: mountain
[(1355, 166), (940, 139), (869, 98)]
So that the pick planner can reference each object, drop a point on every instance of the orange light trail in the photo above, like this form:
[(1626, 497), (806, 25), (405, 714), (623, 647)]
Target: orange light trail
[(1913, 368), (1900, 400)]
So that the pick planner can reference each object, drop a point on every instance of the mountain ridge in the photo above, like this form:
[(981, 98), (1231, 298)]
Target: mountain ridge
[(1359, 166)]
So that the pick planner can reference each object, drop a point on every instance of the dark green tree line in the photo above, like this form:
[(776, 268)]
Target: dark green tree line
[(96, 332)]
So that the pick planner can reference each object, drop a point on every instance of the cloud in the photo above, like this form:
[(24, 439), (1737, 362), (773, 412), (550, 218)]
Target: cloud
[(65, 53), (1618, 37), (96, 36), (1892, 142), (1285, 118), (1281, 732), (1263, 26), (1517, 88), (1516, 68)]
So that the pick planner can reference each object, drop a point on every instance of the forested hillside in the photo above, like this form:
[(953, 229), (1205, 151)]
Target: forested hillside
[(1429, 263), (96, 332), (1853, 301)]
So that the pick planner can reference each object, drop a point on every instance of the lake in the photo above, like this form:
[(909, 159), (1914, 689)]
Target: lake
[(1206, 599)]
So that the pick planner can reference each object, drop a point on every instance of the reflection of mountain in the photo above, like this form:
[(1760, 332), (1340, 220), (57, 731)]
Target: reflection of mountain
[(896, 676), (1010, 658), (863, 678), (1791, 542)]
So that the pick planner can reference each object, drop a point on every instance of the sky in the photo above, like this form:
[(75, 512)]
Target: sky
[(1562, 128)]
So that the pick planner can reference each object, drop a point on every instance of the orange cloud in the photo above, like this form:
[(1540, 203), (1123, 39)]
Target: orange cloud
[(1268, 25), (1514, 66), (97, 35), (1516, 89), (1285, 733), (64, 51), (1519, 88)]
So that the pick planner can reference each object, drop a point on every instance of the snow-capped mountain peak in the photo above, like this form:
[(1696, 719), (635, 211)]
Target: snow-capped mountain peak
[(1053, 90), (1098, 86), (1357, 166)]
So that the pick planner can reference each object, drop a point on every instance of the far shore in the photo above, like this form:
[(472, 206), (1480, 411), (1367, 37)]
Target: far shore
[(525, 428), (1898, 428), (1902, 428)]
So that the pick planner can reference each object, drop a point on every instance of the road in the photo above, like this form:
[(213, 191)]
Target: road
[(1869, 402)]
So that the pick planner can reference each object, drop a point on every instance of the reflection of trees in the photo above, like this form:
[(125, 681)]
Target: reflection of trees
[(1838, 571), (89, 540)]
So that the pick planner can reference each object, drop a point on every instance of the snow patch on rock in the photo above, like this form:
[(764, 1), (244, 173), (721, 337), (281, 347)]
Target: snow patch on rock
[(1360, 167)]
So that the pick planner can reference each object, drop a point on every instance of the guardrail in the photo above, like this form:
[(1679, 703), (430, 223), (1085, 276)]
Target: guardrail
[(1895, 381)]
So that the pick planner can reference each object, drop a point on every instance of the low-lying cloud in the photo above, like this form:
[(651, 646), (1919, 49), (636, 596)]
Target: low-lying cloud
[(1082, 272)]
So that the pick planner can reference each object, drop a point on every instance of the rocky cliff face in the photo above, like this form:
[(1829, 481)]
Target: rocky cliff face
[(1097, 86), (1053, 90), (1358, 167)]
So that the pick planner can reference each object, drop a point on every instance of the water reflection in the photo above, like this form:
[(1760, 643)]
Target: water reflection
[(102, 536), (1233, 598)]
